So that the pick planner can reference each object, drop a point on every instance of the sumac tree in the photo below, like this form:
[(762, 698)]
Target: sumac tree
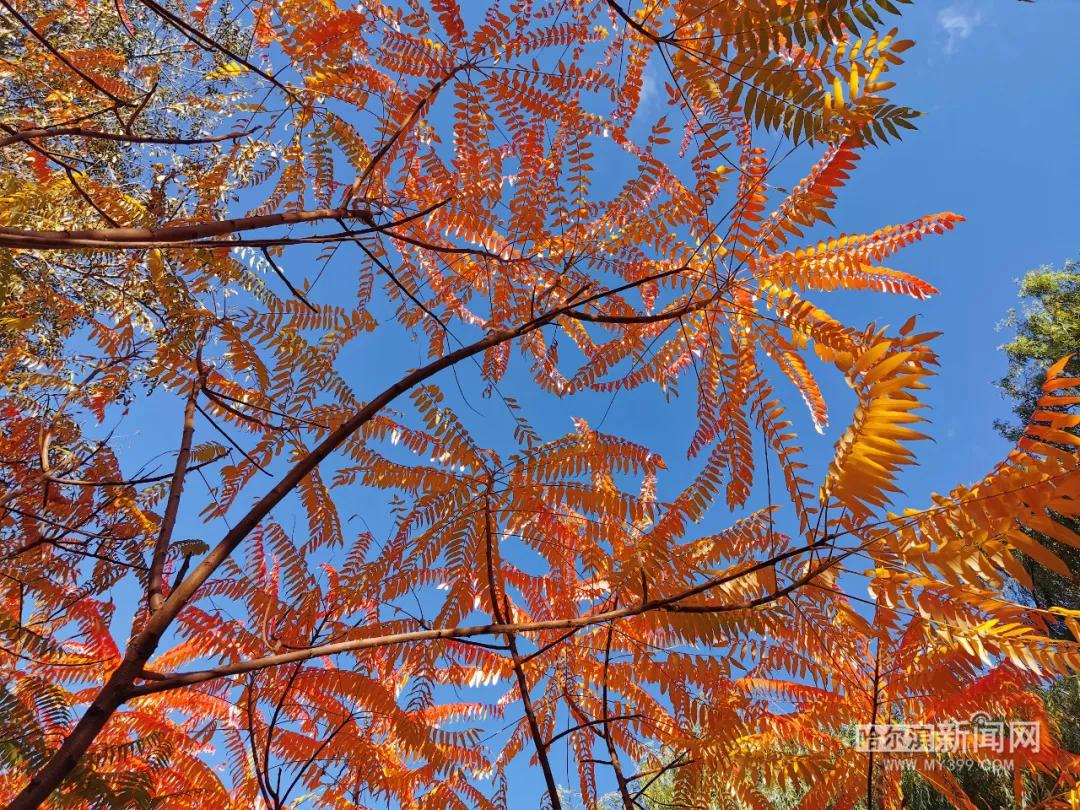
[(342, 265)]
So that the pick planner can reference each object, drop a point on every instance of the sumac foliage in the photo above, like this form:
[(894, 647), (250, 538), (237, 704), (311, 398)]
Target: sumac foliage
[(298, 299)]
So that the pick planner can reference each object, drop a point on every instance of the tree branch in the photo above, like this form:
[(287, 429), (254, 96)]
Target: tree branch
[(613, 753), (156, 584), (209, 43), (121, 684), (589, 724), (21, 135)]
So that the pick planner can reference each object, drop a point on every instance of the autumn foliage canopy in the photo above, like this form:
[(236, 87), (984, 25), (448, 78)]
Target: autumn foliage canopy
[(299, 299)]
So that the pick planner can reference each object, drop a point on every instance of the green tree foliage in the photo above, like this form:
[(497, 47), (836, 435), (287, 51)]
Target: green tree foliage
[(1047, 328)]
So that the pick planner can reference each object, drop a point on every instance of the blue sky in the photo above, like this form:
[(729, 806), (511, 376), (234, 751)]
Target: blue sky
[(999, 85), (1000, 88)]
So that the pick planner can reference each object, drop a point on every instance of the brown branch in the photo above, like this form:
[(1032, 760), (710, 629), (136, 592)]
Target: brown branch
[(406, 125), (195, 236), (20, 135), (873, 722), (142, 105), (630, 21), (675, 763), (613, 753), (129, 482), (281, 274), (385, 268), (262, 774), (541, 650), (69, 172), (272, 726), (120, 685), (170, 234), (315, 755), (666, 315), (236, 446), (221, 402), (181, 572), (589, 724), (316, 456), (64, 761)]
